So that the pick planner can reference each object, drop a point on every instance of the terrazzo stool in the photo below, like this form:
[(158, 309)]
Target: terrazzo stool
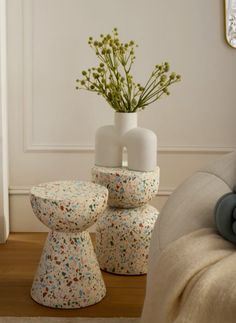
[(124, 229), (68, 274)]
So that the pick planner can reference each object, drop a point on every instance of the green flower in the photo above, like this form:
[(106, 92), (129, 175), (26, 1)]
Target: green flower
[(113, 80)]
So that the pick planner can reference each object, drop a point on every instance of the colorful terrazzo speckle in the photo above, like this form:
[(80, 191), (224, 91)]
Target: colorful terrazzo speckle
[(127, 189), (68, 275), (124, 231), (123, 239), (68, 206)]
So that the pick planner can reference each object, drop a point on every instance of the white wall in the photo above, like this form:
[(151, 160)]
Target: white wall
[(52, 126), (4, 202)]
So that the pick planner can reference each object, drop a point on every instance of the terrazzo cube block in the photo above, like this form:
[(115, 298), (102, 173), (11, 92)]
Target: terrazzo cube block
[(68, 274)]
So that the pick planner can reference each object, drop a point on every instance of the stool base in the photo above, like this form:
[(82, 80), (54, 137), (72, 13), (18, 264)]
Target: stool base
[(68, 274), (123, 238)]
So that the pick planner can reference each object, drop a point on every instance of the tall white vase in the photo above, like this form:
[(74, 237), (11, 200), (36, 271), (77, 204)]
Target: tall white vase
[(141, 144), (123, 122)]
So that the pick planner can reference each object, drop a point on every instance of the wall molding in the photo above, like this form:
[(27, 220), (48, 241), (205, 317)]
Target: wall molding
[(28, 106), (30, 147), (27, 21), (25, 190)]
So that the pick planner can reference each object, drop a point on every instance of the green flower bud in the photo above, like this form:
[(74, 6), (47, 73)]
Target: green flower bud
[(77, 87), (163, 78), (92, 87), (82, 82), (84, 73), (101, 65), (95, 75), (178, 77), (172, 76), (167, 68)]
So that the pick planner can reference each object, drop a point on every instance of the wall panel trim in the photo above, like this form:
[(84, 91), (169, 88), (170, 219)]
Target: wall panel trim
[(29, 144), (25, 190), (29, 147)]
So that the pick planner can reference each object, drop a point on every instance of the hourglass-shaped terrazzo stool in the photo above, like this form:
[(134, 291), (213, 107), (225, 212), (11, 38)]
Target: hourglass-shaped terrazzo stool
[(68, 275), (124, 229)]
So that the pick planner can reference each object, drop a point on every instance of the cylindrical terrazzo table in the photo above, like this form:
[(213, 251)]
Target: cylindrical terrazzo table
[(68, 274), (124, 229)]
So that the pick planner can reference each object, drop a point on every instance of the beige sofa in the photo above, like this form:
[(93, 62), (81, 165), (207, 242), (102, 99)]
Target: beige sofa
[(185, 246)]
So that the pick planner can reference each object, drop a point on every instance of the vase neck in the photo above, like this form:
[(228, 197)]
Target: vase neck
[(125, 121)]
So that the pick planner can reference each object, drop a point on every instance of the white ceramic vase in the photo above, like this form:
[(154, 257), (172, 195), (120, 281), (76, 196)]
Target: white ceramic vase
[(140, 143)]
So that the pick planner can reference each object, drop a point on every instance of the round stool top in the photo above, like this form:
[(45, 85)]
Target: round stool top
[(127, 188), (68, 205)]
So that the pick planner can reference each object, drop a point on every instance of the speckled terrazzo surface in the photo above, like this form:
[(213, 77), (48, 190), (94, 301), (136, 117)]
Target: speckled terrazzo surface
[(68, 205), (67, 190), (127, 189), (123, 239), (124, 229), (68, 275)]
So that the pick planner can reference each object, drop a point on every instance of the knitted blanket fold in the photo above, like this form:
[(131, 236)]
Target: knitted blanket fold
[(193, 280)]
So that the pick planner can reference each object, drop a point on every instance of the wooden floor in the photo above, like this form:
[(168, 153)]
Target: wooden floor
[(19, 258)]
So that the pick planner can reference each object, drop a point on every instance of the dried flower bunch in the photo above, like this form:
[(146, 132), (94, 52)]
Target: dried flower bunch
[(112, 78)]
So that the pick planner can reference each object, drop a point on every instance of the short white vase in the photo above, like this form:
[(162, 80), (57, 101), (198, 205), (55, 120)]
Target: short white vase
[(140, 143)]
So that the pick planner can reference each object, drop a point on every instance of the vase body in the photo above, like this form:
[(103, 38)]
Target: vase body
[(140, 143), (124, 122)]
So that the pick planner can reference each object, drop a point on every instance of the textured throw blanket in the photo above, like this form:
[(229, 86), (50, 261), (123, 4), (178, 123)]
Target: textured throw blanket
[(193, 281)]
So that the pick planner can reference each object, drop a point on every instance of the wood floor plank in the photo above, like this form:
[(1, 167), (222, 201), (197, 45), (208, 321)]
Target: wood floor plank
[(19, 259)]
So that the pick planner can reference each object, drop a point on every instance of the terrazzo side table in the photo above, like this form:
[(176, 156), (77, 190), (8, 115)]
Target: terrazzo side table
[(125, 227), (68, 274)]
